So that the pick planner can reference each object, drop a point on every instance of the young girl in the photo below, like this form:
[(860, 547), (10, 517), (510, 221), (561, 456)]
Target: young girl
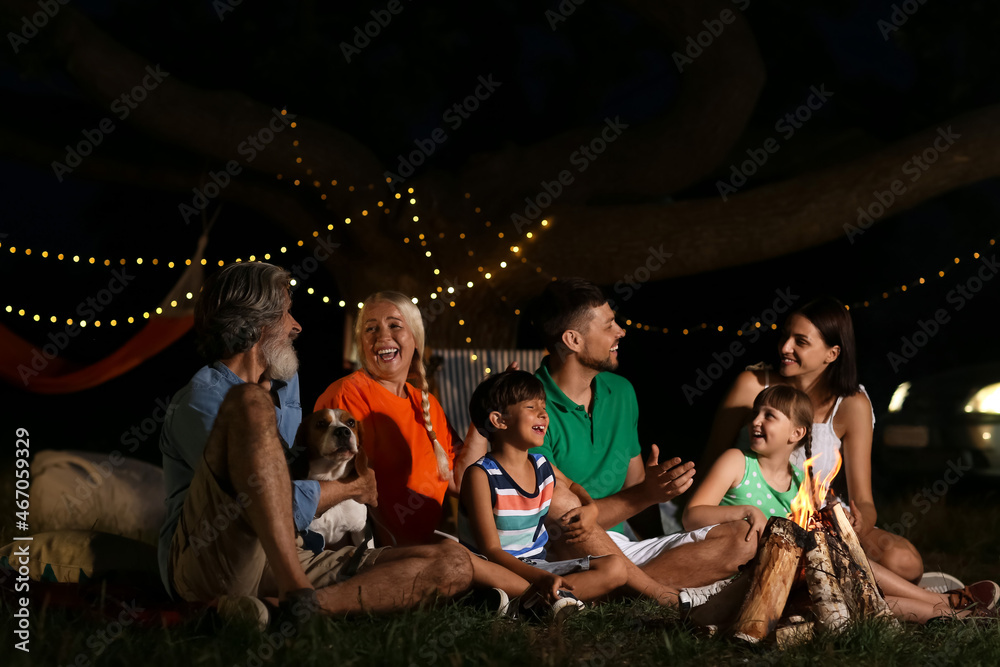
[(756, 485), (761, 483)]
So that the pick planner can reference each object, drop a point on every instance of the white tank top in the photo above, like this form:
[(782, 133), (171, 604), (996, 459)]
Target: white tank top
[(824, 439)]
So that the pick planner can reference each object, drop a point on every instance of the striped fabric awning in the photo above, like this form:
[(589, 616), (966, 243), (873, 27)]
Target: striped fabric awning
[(457, 373)]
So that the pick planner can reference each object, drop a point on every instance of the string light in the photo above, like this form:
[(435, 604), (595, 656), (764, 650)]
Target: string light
[(899, 288), (516, 250)]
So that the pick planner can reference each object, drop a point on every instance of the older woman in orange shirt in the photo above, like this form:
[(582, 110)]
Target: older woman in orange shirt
[(406, 435)]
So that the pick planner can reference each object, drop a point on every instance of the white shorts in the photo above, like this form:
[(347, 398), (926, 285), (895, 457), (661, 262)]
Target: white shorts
[(643, 551)]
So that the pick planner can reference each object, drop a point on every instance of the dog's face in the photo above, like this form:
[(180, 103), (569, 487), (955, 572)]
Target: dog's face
[(329, 440)]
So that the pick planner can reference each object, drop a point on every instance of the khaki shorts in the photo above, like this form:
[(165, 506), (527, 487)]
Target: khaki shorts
[(214, 551)]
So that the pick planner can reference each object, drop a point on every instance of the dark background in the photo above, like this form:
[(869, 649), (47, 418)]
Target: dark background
[(601, 61)]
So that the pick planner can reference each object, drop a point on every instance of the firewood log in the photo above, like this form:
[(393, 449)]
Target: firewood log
[(774, 568), (797, 631), (720, 610), (829, 603), (864, 586)]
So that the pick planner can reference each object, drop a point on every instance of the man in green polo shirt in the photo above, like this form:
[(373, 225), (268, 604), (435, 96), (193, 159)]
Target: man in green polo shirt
[(592, 438)]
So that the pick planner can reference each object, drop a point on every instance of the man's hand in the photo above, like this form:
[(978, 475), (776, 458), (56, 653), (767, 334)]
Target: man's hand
[(363, 485), (666, 481), (578, 523)]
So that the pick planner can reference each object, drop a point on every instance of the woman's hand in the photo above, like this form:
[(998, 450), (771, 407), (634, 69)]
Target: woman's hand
[(857, 521)]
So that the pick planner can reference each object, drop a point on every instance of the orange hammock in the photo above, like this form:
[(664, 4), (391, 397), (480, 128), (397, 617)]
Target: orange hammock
[(40, 370)]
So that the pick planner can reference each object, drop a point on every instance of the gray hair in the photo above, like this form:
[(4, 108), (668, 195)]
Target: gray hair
[(237, 303)]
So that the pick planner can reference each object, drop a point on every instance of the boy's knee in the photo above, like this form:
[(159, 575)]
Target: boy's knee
[(563, 500)]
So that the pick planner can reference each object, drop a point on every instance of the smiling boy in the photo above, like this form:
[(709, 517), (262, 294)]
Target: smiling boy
[(506, 496)]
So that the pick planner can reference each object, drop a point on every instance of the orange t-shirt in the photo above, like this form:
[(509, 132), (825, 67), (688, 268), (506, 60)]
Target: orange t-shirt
[(400, 451)]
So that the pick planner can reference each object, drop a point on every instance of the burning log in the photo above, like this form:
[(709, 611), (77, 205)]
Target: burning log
[(774, 569), (829, 603), (864, 586), (810, 568)]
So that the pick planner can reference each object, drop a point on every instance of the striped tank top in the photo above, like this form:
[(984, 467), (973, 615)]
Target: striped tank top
[(519, 515)]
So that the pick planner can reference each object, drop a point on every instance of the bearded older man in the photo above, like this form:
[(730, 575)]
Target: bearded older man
[(233, 513)]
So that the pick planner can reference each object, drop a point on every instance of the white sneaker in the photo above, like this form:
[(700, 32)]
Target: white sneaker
[(940, 582), (695, 597), (565, 606), (245, 608)]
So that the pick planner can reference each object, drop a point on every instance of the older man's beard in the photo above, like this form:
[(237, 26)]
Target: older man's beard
[(279, 356)]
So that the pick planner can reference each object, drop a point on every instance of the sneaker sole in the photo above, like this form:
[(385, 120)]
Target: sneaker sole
[(940, 582)]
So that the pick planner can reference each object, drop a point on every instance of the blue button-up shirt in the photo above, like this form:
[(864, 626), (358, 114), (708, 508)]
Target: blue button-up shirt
[(185, 432)]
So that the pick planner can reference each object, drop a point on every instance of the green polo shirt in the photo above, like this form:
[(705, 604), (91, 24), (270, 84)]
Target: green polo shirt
[(592, 450)]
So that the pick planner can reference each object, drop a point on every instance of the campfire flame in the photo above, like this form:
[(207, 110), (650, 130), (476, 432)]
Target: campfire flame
[(813, 492)]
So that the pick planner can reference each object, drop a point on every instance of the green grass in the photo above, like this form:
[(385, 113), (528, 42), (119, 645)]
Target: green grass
[(617, 634), (961, 535)]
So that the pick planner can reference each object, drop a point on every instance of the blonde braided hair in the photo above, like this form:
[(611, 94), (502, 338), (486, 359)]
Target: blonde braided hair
[(411, 315)]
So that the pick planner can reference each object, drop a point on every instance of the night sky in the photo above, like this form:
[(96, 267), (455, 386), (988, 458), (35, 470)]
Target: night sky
[(887, 81)]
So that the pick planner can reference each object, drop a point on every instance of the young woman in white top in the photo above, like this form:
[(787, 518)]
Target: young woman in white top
[(816, 356)]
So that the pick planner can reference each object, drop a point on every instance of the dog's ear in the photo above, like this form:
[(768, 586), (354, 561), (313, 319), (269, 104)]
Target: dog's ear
[(298, 459)]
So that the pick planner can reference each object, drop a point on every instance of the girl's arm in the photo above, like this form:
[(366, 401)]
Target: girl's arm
[(477, 500), (855, 416), (732, 415), (704, 509)]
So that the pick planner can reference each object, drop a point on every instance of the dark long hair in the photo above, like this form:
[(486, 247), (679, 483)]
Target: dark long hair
[(833, 321)]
